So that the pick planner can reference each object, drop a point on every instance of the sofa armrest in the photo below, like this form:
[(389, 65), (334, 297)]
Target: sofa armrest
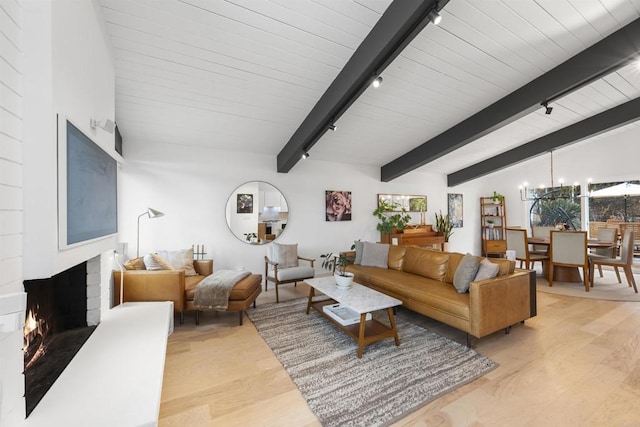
[(203, 267), (155, 285), (499, 303)]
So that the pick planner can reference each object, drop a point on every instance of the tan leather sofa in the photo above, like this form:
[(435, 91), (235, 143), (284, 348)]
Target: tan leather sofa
[(423, 280), (160, 285)]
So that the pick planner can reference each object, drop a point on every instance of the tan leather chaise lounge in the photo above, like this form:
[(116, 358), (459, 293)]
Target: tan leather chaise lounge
[(173, 285), (422, 279)]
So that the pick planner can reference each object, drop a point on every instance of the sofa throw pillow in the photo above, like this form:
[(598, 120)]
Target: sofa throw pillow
[(285, 255), (486, 270), (465, 273), (135, 264), (156, 262), (375, 255), (359, 248), (180, 260)]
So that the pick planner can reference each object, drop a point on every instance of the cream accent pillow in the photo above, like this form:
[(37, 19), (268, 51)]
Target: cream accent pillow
[(156, 262), (180, 260), (285, 255)]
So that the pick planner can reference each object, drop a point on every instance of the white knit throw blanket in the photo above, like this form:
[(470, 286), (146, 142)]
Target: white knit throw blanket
[(213, 292)]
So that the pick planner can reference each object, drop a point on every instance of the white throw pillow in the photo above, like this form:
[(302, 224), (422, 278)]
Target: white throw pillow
[(285, 255), (180, 260), (156, 262), (375, 255)]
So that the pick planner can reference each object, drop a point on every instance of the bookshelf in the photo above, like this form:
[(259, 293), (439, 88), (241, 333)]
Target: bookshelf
[(493, 224)]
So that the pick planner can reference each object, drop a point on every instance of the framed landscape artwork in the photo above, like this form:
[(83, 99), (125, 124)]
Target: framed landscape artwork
[(337, 205), (245, 203), (455, 209)]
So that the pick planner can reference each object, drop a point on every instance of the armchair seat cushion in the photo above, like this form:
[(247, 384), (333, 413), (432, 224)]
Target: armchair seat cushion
[(292, 273)]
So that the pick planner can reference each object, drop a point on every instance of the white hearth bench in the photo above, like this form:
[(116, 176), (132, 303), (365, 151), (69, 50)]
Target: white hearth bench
[(116, 377)]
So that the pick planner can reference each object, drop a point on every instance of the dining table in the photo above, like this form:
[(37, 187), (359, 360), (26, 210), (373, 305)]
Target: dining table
[(562, 273)]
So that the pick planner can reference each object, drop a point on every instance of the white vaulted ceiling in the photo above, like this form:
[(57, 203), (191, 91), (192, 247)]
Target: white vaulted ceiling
[(242, 75)]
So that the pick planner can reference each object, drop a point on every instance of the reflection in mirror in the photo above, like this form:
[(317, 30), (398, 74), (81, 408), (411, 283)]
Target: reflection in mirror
[(257, 212)]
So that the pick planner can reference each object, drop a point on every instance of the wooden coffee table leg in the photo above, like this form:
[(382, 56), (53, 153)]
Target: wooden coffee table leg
[(311, 293), (392, 321), (363, 322)]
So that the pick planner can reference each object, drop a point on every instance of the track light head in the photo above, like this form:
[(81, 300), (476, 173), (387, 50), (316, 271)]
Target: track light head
[(434, 17), (305, 155), (377, 82), (333, 127), (547, 109)]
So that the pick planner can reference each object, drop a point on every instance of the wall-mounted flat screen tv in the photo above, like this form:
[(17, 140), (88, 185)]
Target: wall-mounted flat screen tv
[(87, 204)]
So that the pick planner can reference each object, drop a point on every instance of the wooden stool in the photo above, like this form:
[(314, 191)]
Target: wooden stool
[(243, 294)]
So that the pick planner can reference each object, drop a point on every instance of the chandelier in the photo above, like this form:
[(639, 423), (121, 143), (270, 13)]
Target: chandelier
[(550, 192)]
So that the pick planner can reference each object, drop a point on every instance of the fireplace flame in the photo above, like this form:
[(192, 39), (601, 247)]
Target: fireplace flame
[(34, 327)]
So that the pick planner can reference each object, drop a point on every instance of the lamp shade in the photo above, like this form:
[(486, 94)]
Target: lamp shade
[(154, 213)]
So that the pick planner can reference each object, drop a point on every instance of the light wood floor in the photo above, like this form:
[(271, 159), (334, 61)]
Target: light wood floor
[(576, 364)]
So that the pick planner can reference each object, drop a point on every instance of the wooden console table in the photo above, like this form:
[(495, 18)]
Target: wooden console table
[(422, 235)]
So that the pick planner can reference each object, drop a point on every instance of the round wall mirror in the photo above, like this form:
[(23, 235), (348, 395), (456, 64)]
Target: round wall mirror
[(257, 213)]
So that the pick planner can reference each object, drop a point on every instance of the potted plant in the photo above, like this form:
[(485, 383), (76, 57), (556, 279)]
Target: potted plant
[(338, 264), (497, 197), (389, 219), (490, 223), (444, 225)]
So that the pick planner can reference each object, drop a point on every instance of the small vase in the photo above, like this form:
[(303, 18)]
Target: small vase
[(344, 282)]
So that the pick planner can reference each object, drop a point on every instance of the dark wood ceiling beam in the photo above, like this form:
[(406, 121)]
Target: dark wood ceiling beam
[(604, 57), (399, 24), (603, 122)]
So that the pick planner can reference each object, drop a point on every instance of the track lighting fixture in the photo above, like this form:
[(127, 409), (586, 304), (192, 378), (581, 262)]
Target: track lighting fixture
[(377, 81), (548, 109), (305, 155), (333, 127), (435, 17)]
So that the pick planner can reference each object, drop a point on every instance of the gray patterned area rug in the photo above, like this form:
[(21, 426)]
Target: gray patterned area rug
[(386, 384)]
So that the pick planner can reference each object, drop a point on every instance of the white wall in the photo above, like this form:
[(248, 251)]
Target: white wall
[(607, 158), (68, 71), (192, 185)]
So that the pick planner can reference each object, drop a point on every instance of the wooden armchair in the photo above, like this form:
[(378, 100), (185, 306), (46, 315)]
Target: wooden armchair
[(282, 265)]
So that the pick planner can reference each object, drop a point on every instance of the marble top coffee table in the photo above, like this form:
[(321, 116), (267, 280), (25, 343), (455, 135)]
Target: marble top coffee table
[(360, 299)]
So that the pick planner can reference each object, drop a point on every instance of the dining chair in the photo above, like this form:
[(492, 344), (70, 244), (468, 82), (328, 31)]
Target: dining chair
[(625, 261), (541, 231), (605, 235), (569, 249), (635, 227), (517, 241)]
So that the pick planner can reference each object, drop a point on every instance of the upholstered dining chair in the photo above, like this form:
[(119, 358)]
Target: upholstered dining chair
[(517, 241), (625, 261), (282, 265), (569, 249), (541, 231), (605, 235)]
